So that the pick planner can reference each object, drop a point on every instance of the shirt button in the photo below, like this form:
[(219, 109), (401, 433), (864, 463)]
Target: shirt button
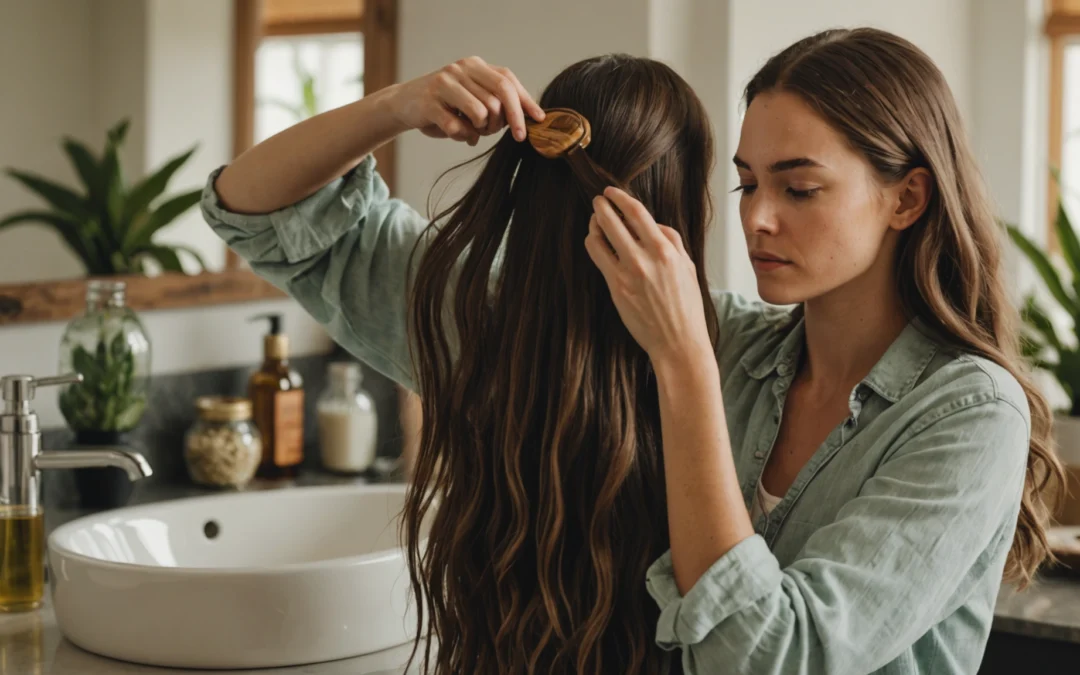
[(783, 369), (759, 454)]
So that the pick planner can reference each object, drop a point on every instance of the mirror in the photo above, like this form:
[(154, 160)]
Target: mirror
[(124, 109)]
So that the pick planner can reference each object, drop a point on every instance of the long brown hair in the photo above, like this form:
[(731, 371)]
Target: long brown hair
[(893, 105), (539, 467)]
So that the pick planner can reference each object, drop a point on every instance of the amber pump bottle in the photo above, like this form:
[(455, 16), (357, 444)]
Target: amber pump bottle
[(277, 400)]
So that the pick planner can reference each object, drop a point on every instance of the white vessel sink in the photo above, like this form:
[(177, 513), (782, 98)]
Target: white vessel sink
[(244, 580)]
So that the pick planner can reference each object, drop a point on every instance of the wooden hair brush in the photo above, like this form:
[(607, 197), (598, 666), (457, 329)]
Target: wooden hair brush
[(561, 133)]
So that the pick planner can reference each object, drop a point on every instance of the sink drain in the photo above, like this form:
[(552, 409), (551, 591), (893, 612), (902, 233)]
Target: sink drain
[(211, 529)]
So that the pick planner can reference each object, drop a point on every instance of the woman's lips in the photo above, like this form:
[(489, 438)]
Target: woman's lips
[(767, 264)]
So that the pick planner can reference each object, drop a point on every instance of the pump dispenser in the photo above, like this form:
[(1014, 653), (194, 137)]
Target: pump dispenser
[(277, 400)]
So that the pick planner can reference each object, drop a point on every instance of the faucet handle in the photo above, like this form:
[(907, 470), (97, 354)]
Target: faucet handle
[(19, 390)]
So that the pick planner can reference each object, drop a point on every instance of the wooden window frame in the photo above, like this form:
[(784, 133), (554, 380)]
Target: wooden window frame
[(37, 302), (378, 24), (1062, 26)]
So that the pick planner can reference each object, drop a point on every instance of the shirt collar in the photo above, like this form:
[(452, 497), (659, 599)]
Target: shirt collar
[(892, 377)]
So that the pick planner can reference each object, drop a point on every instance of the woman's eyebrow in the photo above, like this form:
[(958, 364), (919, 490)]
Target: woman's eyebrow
[(782, 165)]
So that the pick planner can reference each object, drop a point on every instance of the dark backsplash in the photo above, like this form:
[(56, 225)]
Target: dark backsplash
[(171, 411)]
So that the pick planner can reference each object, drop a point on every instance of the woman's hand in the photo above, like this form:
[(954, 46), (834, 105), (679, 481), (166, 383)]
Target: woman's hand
[(465, 100), (653, 282)]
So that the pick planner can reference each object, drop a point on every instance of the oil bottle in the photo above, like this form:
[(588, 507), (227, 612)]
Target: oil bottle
[(277, 398)]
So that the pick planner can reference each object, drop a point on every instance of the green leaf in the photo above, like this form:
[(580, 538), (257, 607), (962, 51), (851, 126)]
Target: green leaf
[(118, 347), (160, 217), (1070, 246), (58, 196), (1046, 270), (130, 414), (85, 364), (1067, 371), (151, 187), (166, 257), (118, 132), (68, 229), (193, 253), (1034, 315), (86, 165)]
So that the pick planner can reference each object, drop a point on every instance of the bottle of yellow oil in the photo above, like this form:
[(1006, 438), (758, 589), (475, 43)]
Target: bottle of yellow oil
[(22, 558), (276, 391)]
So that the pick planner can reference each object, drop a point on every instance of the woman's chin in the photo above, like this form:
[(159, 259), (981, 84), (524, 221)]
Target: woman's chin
[(778, 294)]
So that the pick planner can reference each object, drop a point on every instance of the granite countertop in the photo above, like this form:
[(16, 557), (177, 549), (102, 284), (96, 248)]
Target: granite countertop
[(31, 642)]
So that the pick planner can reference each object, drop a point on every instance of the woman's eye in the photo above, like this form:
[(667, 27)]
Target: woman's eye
[(802, 194), (746, 188)]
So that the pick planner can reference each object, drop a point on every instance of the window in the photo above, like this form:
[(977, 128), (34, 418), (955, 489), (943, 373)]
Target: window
[(1063, 29), (297, 58)]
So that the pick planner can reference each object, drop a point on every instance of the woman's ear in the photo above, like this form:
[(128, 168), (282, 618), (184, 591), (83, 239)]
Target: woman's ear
[(913, 194)]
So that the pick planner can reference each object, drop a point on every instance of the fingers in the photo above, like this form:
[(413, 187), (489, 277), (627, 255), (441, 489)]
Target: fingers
[(531, 107), (454, 95), (673, 236), (637, 217), (454, 127), (614, 228), (495, 119), (503, 88), (600, 251)]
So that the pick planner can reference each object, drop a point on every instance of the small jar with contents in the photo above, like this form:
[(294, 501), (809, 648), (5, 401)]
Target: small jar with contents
[(223, 447), (347, 421)]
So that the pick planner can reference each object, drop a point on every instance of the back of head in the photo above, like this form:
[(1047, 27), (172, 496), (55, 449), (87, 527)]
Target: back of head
[(541, 436), (893, 105)]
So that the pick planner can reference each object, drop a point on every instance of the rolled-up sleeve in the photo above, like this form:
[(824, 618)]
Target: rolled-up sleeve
[(897, 559), (343, 254)]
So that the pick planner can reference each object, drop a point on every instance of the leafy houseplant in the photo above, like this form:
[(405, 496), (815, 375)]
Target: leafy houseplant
[(108, 399), (109, 347), (108, 224), (1041, 337)]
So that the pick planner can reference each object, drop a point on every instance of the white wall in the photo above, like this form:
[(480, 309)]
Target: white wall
[(942, 28), (47, 86), (189, 99), (536, 45)]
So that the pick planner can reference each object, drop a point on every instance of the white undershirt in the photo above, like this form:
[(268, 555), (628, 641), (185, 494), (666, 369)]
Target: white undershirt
[(762, 503)]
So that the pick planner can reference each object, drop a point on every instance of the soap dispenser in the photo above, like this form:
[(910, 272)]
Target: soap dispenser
[(277, 399)]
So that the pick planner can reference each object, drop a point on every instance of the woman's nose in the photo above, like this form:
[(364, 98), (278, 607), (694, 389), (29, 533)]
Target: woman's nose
[(758, 216)]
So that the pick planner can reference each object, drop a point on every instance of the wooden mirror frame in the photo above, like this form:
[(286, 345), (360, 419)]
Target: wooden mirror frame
[(36, 302)]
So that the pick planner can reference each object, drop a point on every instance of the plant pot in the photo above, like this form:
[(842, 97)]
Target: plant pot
[(104, 487), (1067, 438)]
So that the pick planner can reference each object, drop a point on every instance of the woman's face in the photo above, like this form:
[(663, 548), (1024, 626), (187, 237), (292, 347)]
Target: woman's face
[(808, 200)]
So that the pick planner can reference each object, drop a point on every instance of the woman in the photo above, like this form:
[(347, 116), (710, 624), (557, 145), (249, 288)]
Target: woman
[(844, 483)]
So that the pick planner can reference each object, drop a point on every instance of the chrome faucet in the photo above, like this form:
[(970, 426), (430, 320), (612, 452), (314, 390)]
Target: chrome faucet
[(21, 456)]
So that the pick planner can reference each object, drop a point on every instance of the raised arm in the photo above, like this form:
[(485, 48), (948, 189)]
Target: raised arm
[(308, 211)]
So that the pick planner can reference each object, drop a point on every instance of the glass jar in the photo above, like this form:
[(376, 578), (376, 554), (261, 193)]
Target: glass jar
[(347, 421), (110, 348), (222, 448)]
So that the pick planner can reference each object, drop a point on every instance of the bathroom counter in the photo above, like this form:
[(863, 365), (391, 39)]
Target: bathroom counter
[(1048, 609), (31, 644)]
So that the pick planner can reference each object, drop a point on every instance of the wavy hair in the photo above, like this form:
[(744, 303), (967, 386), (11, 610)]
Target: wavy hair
[(539, 468), (894, 107)]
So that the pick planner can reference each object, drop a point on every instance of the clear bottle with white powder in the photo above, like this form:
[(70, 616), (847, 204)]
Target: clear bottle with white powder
[(347, 421)]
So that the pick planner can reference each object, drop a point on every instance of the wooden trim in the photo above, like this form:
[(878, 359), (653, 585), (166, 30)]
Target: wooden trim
[(314, 27), (1062, 24), (380, 69), (246, 34), (1054, 132), (63, 300)]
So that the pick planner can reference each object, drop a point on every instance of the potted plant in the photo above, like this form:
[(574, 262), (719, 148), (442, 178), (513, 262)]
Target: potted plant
[(1056, 353), (108, 224)]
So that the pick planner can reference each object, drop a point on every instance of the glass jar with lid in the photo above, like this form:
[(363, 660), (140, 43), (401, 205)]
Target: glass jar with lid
[(348, 425), (223, 447)]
